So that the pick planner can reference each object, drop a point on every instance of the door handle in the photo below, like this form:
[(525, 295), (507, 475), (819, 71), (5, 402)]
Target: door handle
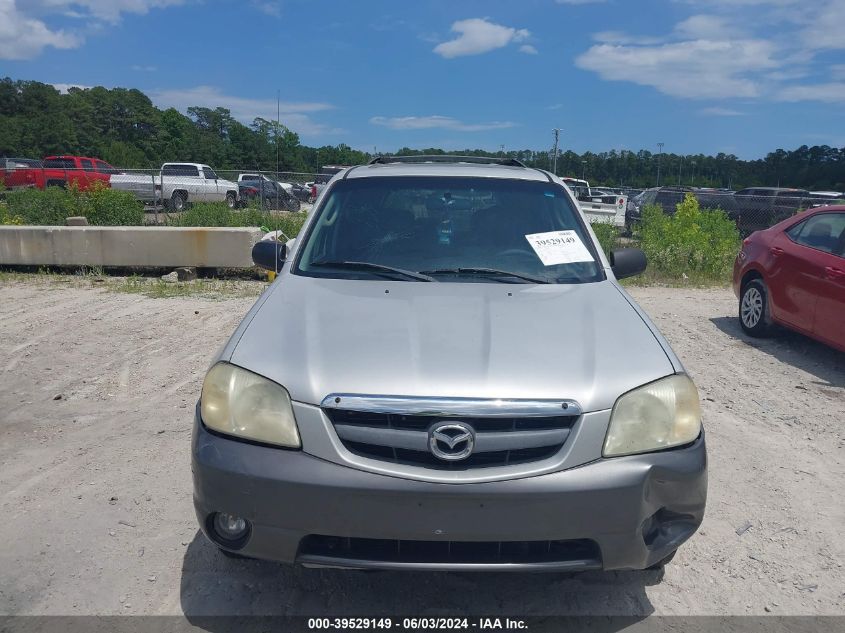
[(834, 273), (776, 250)]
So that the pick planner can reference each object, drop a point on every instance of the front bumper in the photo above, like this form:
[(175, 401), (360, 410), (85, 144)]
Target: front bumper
[(635, 509)]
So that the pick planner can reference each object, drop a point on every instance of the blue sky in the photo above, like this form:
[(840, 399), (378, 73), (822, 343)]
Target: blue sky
[(735, 76)]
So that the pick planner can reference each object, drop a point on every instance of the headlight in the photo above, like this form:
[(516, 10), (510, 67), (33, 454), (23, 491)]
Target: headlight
[(659, 415), (237, 402)]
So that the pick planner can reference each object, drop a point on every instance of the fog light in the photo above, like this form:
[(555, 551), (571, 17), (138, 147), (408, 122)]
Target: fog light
[(229, 527)]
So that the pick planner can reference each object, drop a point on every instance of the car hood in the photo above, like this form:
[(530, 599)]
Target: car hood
[(584, 342)]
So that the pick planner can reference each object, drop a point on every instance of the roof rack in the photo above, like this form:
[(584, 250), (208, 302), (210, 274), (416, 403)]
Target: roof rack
[(447, 158)]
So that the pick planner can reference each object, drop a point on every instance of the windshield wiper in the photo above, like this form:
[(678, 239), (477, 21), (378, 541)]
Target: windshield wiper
[(490, 272), (375, 268)]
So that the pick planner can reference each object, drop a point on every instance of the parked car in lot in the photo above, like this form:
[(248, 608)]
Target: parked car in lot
[(179, 184), (793, 274), (447, 375), (669, 197), (268, 194), (59, 171), (599, 206), (758, 208), (327, 172), (19, 173), (302, 192)]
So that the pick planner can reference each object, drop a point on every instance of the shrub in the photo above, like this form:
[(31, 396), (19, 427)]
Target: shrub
[(218, 214), (109, 207), (52, 206), (695, 244), (608, 236), (48, 207), (6, 216)]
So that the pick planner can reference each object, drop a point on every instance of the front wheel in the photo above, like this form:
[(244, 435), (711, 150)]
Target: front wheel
[(231, 201), (662, 562), (178, 202), (754, 309)]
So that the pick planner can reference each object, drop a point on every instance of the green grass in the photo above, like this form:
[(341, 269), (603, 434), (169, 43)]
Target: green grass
[(203, 288), (153, 287)]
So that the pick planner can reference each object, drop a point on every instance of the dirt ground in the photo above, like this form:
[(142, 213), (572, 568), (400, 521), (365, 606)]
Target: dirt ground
[(96, 406)]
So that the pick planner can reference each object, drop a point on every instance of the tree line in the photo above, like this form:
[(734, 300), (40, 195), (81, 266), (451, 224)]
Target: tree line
[(124, 128)]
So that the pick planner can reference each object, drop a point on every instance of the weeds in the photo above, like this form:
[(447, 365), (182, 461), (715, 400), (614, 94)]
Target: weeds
[(691, 246), (101, 206), (218, 214), (607, 235)]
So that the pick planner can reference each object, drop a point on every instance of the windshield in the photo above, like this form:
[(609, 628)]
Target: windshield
[(451, 229)]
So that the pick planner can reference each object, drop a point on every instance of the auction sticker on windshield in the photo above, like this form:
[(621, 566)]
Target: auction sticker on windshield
[(559, 247)]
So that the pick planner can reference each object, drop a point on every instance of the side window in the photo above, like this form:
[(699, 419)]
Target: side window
[(104, 168), (180, 170), (87, 165), (823, 232), (209, 173)]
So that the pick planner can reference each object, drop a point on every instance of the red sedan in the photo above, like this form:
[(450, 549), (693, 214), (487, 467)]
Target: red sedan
[(793, 274)]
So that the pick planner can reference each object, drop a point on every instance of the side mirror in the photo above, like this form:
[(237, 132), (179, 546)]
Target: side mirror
[(269, 254), (627, 262)]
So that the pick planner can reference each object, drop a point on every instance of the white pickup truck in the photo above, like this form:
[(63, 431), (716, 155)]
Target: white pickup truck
[(177, 185), (598, 207)]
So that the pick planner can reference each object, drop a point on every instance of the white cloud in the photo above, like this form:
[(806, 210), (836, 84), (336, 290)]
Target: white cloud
[(717, 111), (272, 8), (63, 88), (143, 69), (618, 37), (112, 10), (707, 27), (833, 92), (695, 69), (477, 36), (23, 37), (437, 122), (528, 49), (294, 115), (825, 29), (837, 71)]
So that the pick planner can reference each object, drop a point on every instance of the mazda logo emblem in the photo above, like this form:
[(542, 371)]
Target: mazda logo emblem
[(451, 441)]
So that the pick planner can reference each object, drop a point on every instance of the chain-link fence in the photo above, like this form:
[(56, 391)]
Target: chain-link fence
[(751, 209), (172, 188), (177, 185)]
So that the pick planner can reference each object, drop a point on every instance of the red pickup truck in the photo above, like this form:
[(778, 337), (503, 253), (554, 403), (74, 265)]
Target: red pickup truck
[(55, 171)]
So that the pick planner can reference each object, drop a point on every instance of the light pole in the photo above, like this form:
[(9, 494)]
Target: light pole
[(659, 154), (583, 170), (554, 159), (680, 164), (693, 173)]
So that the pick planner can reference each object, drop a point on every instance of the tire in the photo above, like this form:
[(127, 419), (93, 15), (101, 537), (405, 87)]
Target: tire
[(293, 204), (178, 202), (231, 201), (662, 562), (754, 309), (233, 555)]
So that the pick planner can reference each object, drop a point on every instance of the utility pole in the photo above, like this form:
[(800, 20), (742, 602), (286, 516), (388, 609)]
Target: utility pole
[(554, 159), (583, 170), (680, 164), (659, 154)]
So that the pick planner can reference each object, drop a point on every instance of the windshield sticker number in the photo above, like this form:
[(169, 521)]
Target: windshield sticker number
[(559, 247)]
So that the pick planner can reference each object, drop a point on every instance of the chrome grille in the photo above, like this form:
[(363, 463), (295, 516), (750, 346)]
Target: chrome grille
[(403, 438)]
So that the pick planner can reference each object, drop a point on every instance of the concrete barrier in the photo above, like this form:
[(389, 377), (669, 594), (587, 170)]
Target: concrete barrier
[(131, 246)]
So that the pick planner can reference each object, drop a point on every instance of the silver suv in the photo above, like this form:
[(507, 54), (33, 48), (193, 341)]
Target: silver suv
[(447, 375)]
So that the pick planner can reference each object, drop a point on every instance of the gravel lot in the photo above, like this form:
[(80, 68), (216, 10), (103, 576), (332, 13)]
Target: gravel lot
[(96, 406)]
